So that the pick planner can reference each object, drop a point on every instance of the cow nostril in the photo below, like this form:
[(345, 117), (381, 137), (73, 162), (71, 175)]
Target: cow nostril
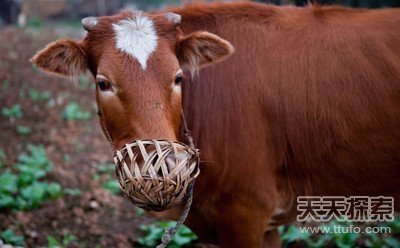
[(173, 160)]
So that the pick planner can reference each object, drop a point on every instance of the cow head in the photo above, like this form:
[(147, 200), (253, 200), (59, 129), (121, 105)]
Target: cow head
[(137, 61)]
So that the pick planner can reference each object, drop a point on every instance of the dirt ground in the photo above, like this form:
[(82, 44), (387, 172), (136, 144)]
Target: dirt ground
[(76, 149)]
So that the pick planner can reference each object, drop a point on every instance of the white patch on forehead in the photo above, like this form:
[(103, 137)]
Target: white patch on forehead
[(137, 37)]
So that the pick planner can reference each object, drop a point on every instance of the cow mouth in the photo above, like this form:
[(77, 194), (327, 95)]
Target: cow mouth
[(155, 174)]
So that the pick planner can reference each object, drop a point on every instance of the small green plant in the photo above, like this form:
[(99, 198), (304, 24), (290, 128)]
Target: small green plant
[(139, 211), (109, 168), (52, 241), (33, 165), (154, 232), (112, 185), (393, 225), (74, 112), (2, 158), (12, 112), (23, 130), (10, 238), (35, 95), (108, 171), (292, 234), (344, 239), (96, 177), (67, 239), (73, 192), (8, 187), (374, 241), (22, 188)]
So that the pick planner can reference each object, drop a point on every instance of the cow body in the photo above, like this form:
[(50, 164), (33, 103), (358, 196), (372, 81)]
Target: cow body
[(308, 104)]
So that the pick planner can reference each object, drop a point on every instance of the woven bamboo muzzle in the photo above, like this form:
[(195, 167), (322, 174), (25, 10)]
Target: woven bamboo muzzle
[(155, 174)]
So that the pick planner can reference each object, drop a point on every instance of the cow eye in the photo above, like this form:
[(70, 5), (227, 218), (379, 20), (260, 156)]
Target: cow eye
[(178, 79), (104, 85)]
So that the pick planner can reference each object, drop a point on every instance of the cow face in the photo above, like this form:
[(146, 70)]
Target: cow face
[(138, 62)]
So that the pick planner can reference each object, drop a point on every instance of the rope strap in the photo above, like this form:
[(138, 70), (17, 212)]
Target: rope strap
[(171, 231)]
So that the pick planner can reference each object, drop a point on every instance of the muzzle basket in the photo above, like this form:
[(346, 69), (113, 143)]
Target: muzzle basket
[(155, 174)]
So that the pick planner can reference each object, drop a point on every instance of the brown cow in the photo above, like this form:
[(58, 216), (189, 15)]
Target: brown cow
[(308, 104)]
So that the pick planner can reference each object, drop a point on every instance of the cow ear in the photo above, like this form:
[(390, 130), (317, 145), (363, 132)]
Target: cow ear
[(63, 57), (201, 48)]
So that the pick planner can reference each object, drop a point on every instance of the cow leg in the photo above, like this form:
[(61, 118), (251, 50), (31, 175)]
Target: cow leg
[(242, 234), (272, 239), (242, 228)]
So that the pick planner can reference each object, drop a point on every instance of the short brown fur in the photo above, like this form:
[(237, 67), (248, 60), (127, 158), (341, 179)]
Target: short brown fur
[(309, 104)]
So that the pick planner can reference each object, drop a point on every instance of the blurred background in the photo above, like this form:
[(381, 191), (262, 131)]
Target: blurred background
[(57, 186), (21, 11)]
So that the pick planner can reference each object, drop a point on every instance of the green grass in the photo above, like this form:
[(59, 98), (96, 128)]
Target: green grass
[(22, 186)]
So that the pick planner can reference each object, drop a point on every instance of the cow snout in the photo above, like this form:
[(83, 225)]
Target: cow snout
[(155, 174), (173, 160)]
